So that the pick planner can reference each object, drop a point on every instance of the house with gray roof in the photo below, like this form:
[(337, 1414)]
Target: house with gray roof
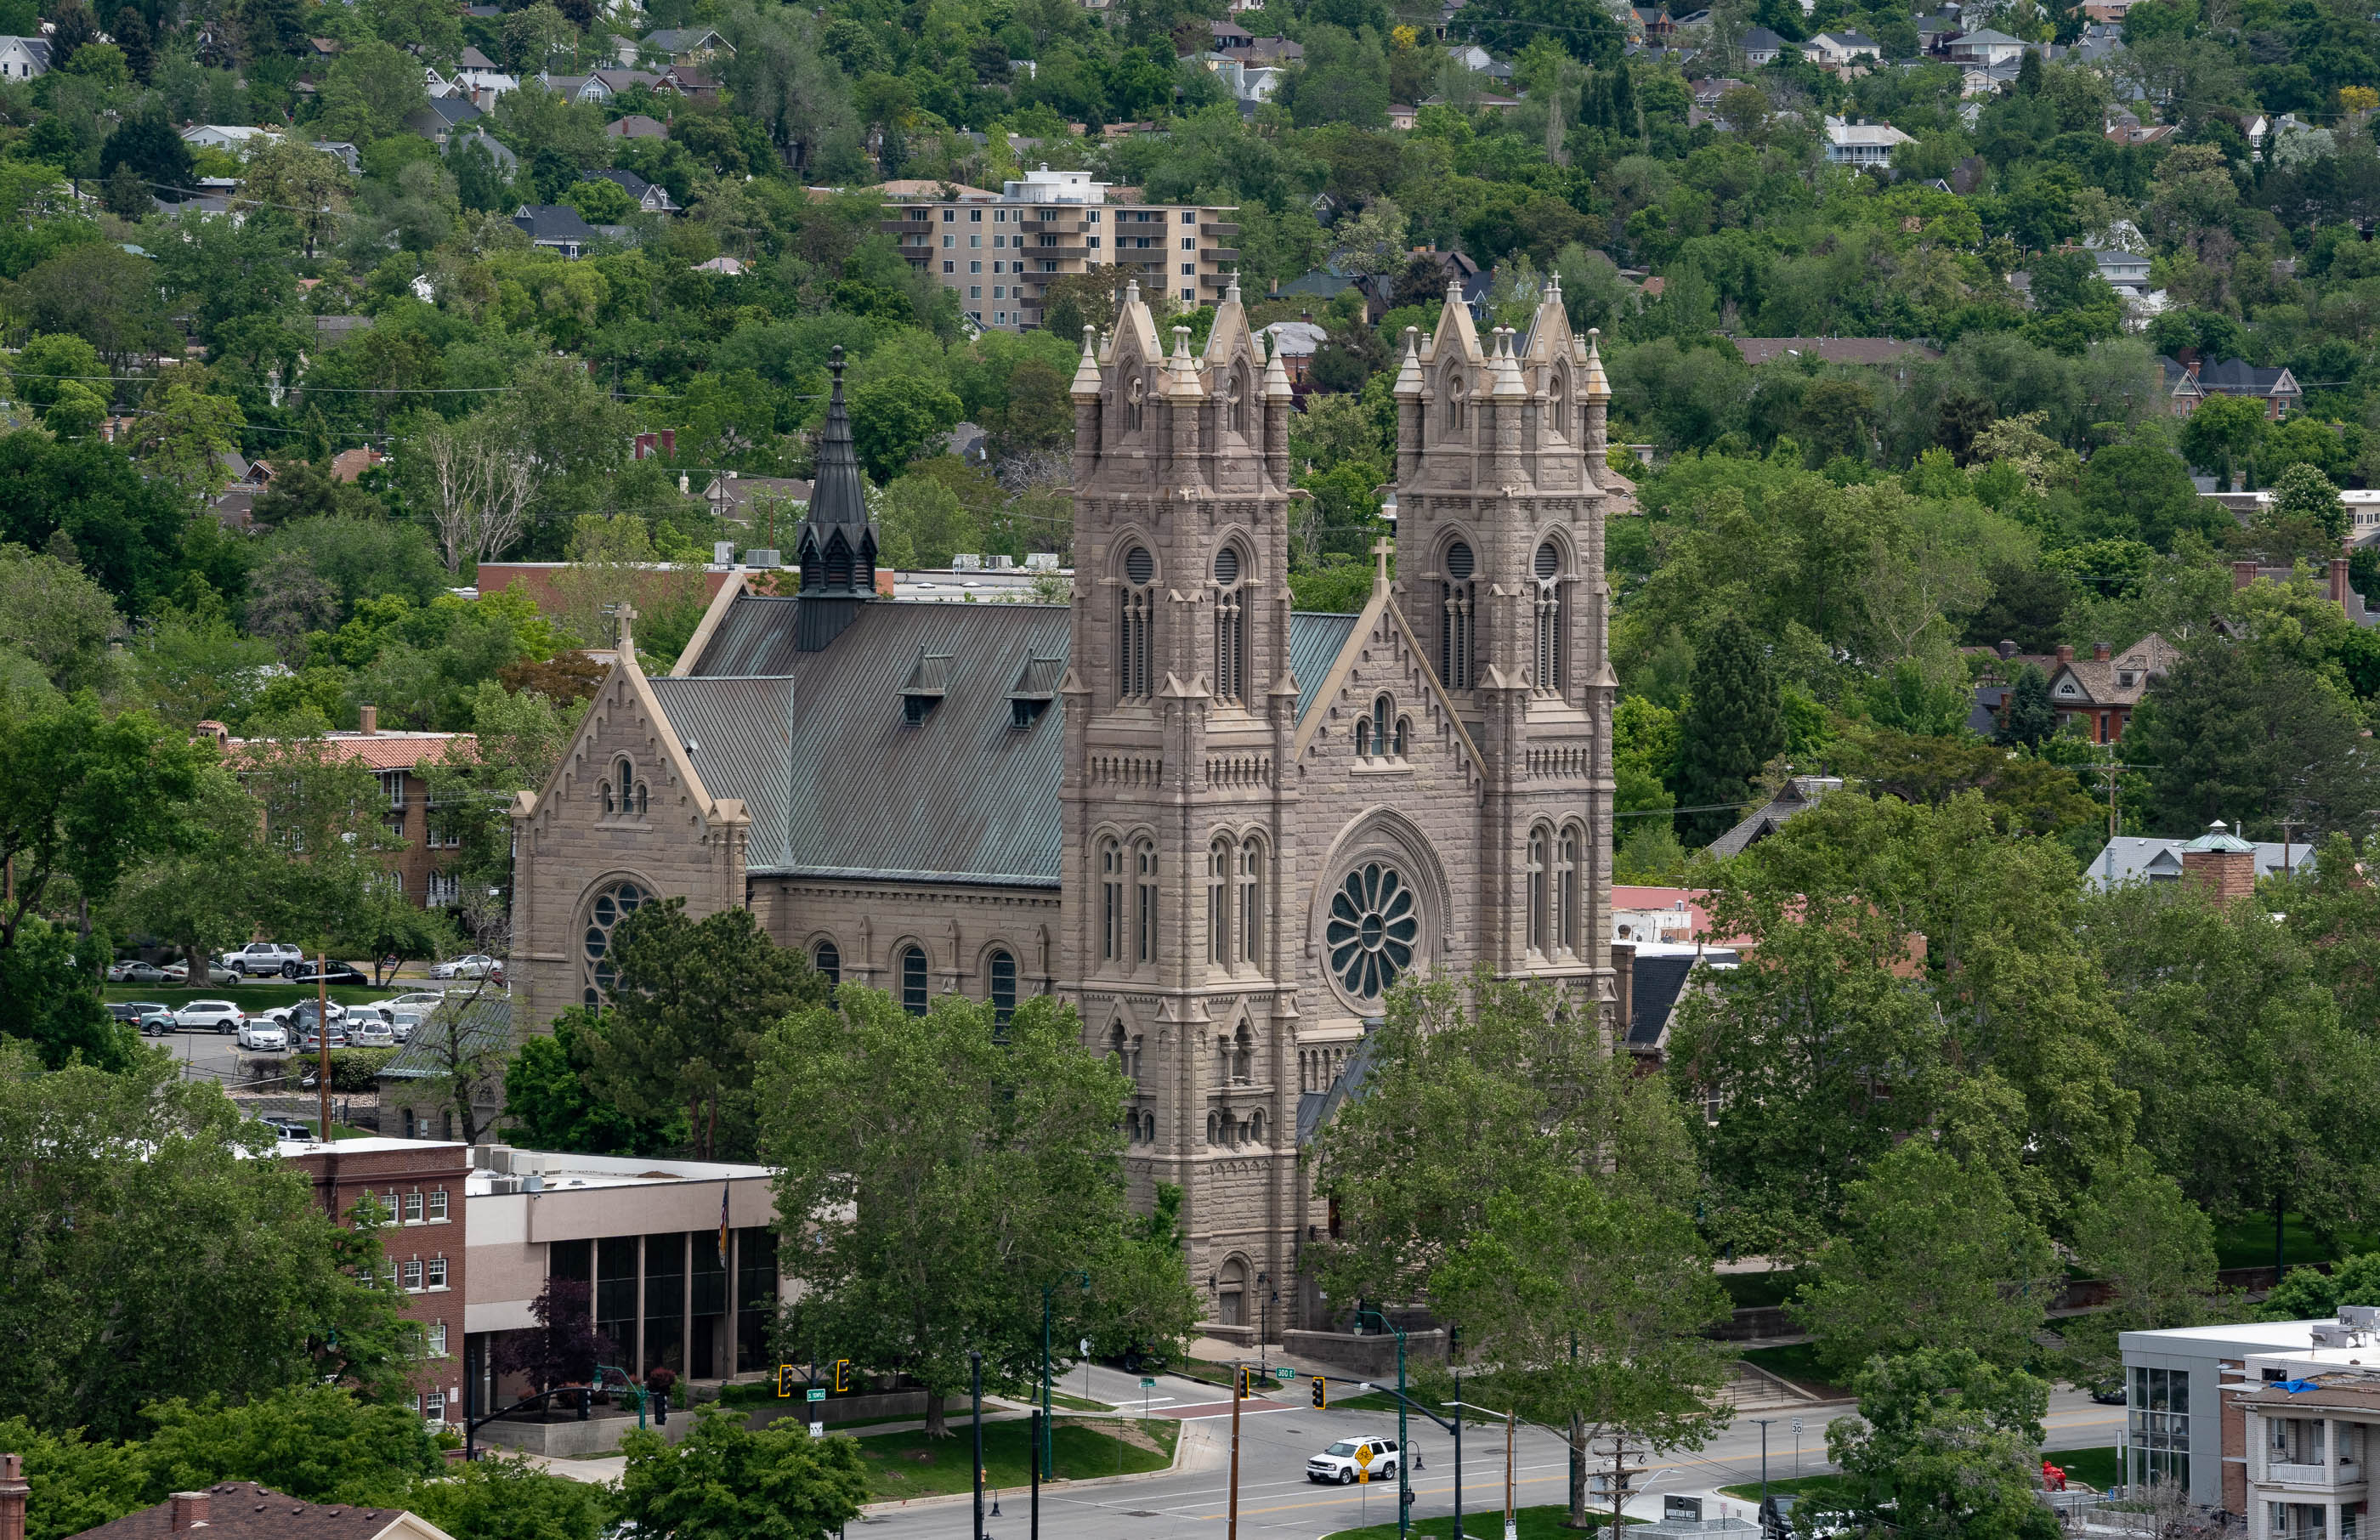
[(2145, 858), (556, 227)]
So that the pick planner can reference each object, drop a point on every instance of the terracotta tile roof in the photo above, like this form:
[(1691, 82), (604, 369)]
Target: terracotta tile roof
[(382, 751), (243, 1511)]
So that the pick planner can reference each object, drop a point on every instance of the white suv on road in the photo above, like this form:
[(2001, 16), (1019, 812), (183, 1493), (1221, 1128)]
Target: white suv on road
[(210, 1015), (1339, 1461), (266, 958)]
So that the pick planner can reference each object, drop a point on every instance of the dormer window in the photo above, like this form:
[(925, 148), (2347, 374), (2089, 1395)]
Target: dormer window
[(1036, 687), (926, 684)]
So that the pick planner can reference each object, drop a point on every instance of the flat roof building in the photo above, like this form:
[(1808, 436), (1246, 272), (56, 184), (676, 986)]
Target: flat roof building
[(998, 251)]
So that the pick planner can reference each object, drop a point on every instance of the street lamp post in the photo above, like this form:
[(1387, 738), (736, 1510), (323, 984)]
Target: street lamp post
[(1764, 1423), (1042, 1443), (975, 1375)]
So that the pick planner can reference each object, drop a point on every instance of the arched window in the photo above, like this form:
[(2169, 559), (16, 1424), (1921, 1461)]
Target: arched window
[(828, 959), (1363, 737), (1143, 867), (1132, 1068), (1213, 1129), (1115, 1046), (1405, 730), (1454, 402), (1257, 1126), (1004, 987), (612, 905), (1538, 917), (1567, 894), (626, 774), (1454, 633), (1550, 619), (1252, 866), (1230, 626), (1134, 395), (913, 980), (1111, 909), (1136, 626), (1218, 902), (1236, 406)]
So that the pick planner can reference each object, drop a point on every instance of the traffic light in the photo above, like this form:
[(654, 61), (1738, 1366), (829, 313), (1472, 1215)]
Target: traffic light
[(842, 1375), (1321, 1394), (1247, 1385), (785, 1381)]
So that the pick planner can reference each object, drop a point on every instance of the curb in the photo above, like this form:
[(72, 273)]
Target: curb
[(948, 1499)]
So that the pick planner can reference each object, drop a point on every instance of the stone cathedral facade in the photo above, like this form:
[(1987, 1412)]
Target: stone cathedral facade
[(1222, 828)]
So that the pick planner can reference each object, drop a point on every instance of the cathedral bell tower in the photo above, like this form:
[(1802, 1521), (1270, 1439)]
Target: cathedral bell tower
[(836, 548), (1501, 443), (1180, 716)]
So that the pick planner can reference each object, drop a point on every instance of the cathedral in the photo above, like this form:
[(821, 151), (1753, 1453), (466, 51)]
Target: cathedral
[(1220, 826)]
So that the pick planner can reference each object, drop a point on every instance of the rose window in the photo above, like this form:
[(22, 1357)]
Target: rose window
[(1372, 929), (612, 905)]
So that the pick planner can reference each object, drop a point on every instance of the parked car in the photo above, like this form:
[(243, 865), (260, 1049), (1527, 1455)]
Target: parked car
[(475, 964), (330, 973), (285, 1016), (157, 1022), (424, 1000), (403, 1019), (1339, 1463), (133, 1009), (132, 970), (259, 1035), (370, 1031), (218, 972), (263, 959), (286, 1128), (211, 1015), (302, 1020)]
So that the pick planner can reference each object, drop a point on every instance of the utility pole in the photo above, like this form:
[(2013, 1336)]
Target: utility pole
[(1033, 1465), (322, 1038), (975, 1375), (1512, 1528), (1764, 1423), (1239, 1392)]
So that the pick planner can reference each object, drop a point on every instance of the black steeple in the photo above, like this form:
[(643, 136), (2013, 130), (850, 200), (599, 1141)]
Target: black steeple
[(837, 548)]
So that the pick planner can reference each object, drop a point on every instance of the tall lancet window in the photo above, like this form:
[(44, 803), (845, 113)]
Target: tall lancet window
[(1136, 625), (1550, 619), (1456, 630), (1231, 626)]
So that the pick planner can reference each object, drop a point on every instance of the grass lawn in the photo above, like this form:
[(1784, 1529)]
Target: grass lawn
[(2249, 1242), (912, 1465), (1076, 1403), (1549, 1523), (1807, 1487), (2092, 1467), (1797, 1362)]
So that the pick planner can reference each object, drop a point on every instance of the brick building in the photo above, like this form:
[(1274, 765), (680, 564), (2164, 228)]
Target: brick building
[(420, 1186), (998, 250), (231, 1510)]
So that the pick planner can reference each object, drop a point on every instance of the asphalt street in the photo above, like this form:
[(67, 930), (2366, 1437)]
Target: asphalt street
[(1276, 1500)]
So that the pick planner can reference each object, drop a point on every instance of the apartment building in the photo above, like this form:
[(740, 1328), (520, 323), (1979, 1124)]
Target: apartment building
[(999, 250)]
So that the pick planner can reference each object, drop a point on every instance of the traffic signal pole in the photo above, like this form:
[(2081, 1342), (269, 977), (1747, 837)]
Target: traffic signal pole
[(1239, 1393)]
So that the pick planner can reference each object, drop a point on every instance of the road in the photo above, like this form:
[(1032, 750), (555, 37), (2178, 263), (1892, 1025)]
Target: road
[(1276, 1501)]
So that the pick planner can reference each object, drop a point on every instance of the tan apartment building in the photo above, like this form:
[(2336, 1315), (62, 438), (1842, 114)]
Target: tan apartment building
[(999, 250)]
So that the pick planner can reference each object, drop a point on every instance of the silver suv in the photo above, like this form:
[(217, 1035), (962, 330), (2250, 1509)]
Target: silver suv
[(259, 959)]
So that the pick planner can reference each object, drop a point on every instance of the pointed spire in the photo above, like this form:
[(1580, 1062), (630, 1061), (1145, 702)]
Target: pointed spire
[(1086, 373), (1505, 368), (837, 546), (1276, 376), (1231, 290), (1596, 387), (1409, 372)]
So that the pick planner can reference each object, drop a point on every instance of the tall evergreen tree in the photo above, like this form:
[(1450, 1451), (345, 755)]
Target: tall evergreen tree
[(1732, 728), (2030, 718), (133, 38)]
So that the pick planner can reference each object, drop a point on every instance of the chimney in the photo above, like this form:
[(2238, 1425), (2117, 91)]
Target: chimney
[(2192, 366), (2223, 863), (189, 1511), (2338, 581), (2006, 650), (2242, 573), (2100, 651), (369, 722), (2065, 652), (13, 1491)]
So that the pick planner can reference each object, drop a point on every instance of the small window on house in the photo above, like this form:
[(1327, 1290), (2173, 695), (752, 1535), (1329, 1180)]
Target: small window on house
[(913, 980), (437, 1205), (412, 1274), (437, 1272), (437, 1335), (828, 960), (413, 1208)]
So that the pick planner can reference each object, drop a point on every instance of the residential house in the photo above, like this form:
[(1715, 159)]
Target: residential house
[(2124, 126), (1653, 976), (1798, 796), (1476, 59), (1280, 51), (2097, 44), (556, 227), (1935, 33), (1879, 352), (2212, 857), (726, 267), (685, 45), (1706, 92), (24, 58), (418, 866), (1986, 47), (481, 80), (347, 154), (2126, 272), (1230, 36), (1400, 117), (2101, 692), (636, 126), (1861, 145), (2336, 587), (349, 464), (1839, 49), (1295, 343), (693, 84), (1657, 24), (1762, 46), (2191, 380), (730, 496), (2109, 13), (650, 197), (437, 119), (230, 1511), (236, 137), (498, 151)]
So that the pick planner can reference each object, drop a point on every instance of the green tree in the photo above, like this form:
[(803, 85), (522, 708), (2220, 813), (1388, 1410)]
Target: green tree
[(157, 1252), (1932, 1251), (2031, 717), (498, 1499), (2246, 734), (925, 525), (2310, 1294), (187, 437), (686, 1014), (57, 617), (1945, 1446), (2305, 496), (147, 146), (369, 92), (548, 1102), (46, 363), (937, 1172), (2142, 492), (1730, 728), (2221, 433), (2137, 1230), (897, 419), (319, 1443), (727, 1480), (78, 1483)]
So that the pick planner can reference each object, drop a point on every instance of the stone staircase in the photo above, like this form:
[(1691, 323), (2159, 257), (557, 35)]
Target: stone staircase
[(1754, 1388)]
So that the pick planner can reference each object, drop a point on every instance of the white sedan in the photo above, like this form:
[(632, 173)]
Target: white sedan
[(260, 1036), (210, 1015), (475, 965)]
